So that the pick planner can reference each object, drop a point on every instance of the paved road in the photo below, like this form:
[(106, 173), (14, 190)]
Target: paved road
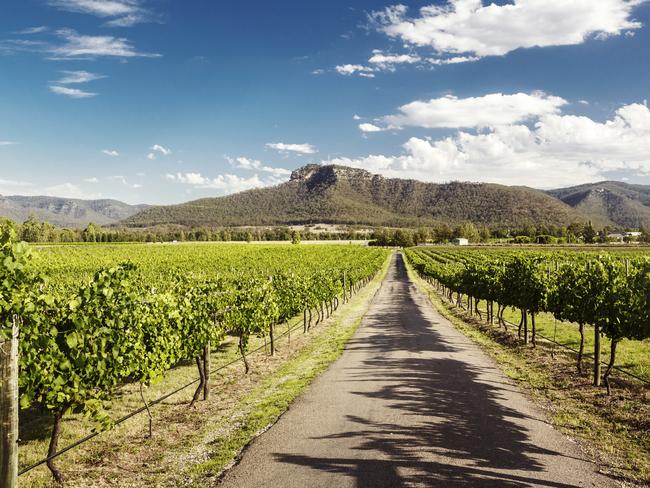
[(412, 402)]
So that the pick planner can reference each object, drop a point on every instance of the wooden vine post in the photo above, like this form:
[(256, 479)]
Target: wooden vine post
[(206, 371), (9, 409), (345, 288)]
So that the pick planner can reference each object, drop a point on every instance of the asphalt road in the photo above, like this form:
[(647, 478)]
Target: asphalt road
[(412, 402)]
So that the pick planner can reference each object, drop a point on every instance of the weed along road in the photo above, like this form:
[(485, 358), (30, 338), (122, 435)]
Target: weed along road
[(412, 402)]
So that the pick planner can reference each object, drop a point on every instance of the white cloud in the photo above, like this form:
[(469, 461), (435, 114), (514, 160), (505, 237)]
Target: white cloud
[(78, 46), (111, 152), (161, 149), (75, 77), (559, 150), (92, 180), (296, 148), (69, 190), (151, 156), (124, 13), (356, 117), (225, 184), (485, 111), (71, 92), (351, 69), (454, 60), (33, 30), (468, 26), (387, 61), (369, 128), (255, 165), (7, 143)]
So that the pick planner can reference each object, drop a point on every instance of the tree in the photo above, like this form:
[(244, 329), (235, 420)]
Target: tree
[(589, 234), (468, 231), (295, 237), (91, 233), (645, 234), (31, 229)]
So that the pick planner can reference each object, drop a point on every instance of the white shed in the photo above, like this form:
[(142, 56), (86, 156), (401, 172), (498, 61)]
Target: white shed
[(460, 241)]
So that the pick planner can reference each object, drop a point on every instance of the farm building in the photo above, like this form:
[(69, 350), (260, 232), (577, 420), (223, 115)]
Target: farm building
[(460, 241)]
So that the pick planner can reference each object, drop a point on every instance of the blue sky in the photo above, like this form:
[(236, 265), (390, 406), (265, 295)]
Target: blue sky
[(166, 101)]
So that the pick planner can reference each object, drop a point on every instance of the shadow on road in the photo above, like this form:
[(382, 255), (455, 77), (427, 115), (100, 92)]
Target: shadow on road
[(440, 407)]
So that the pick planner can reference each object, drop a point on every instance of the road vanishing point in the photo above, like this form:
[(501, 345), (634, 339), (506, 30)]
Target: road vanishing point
[(412, 402)]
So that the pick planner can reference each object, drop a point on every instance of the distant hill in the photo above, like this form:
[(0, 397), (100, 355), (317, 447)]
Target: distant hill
[(609, 203), (338, 194), (66, 212)]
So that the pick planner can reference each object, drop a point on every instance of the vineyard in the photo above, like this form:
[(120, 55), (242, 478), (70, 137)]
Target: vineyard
[(92, 319), (587, 298)]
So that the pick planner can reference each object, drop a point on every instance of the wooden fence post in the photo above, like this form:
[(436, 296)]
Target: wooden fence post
[(9, 408)]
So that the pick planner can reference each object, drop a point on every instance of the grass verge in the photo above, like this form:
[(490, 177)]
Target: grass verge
[(613, 430)]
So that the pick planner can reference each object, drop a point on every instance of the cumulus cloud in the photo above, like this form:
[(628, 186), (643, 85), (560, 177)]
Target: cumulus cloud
[(485, 111), (470, 27), (69, 190), (122, 13), (161, 149), (557, 150), (387, 61), (294, 148), (255, 165), (358, 69), (111, 152), (366, 127), (71, 92), (157, 148), (224, 184)]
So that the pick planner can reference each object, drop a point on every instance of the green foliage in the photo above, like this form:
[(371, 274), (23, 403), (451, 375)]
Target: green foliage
[(610, 293), (79, 343)]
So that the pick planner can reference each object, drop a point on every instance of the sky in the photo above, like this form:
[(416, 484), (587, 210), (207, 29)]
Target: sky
[(165, 101)]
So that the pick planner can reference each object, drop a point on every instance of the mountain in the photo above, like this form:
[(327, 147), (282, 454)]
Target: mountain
[(338, 194), (66, 212), (609, 203)]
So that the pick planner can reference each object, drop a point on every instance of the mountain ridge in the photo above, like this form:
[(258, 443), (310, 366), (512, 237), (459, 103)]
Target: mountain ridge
[(344, 195), (611, 203), (66, 212), (335, 194)]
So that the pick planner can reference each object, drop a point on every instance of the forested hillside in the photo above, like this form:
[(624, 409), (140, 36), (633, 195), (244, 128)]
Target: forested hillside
[(338, 194)]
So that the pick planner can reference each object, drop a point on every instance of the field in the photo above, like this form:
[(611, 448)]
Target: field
[(99, 323)]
